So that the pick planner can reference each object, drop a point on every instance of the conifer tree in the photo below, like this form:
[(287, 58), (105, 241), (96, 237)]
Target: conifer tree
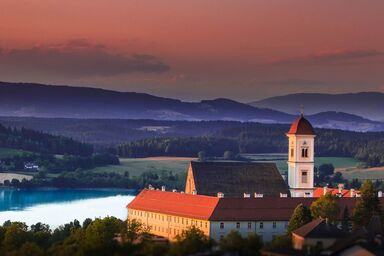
[(345, 220), (301, 216), (367, 205)]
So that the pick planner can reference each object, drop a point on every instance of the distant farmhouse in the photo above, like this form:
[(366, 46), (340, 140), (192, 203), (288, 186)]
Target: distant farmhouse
[(248, 197), (31, 167)]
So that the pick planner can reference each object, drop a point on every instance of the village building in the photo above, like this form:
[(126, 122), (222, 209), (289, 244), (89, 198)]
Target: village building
[(317, 233), (249, 197), (235, 179), (167, 214)]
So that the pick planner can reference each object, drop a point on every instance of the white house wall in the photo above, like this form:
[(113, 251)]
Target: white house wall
[(266, 233)]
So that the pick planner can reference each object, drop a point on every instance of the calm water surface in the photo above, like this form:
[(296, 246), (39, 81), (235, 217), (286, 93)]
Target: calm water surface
[(59, 206)]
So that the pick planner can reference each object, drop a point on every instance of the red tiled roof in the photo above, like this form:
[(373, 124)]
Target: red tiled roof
[(319, 228), (334, 191), (226, 209), (175, 203), (301, 126), (244, 209), (236, 178)]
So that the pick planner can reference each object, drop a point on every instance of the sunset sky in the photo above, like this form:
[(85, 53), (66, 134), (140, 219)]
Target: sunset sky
[(196, 49)]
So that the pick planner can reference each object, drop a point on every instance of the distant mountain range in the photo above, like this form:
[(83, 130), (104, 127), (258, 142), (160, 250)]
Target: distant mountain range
[(36, 100), (369, 105)]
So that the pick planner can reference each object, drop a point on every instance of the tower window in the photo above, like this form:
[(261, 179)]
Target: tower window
[(304, 152), (304, 177), (292, 152)]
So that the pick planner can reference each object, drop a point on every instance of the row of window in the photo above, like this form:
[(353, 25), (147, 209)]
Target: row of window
[(249, 225), (166, 230), (169, 218), (304, 152)]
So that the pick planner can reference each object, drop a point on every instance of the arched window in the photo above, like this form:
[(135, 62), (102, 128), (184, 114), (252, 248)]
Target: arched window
[(304, 152)]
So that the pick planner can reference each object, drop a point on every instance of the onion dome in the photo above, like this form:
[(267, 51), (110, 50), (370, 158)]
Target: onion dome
[(301, 126)]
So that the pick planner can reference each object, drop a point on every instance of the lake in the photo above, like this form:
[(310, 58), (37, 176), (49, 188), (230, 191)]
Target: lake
[(59, 206)]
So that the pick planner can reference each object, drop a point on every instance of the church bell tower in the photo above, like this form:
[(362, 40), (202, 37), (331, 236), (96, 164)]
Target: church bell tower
[(301, 139)]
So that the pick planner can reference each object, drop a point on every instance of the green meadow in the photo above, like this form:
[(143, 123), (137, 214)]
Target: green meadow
[(137, 166)]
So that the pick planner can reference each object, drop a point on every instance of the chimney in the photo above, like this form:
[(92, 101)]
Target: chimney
[(174, 190), (247, 195), (220, 195), (150, 187), (380, 193), (352, 191), (340, 186), (325, 188), (258, 195), (283, 195), (162, 188), (194, 192)]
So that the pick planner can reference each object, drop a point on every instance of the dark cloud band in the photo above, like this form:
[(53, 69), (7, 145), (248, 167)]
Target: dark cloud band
[(78, 60)]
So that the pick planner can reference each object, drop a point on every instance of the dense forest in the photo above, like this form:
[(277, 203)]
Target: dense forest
[(35, 141), (257, 138), (111, 236), (49, 153)]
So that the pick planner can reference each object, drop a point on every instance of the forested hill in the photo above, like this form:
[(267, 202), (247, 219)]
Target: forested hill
[(40, 142), (258, 138), (37, 100)]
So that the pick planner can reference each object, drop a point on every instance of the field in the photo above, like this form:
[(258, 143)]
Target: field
[(136, 166), (376, 173), (8, 152), (10, 176), (281, 161)]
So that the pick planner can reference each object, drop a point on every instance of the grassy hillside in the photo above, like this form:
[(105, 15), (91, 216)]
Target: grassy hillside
[(10, 152), (179, 165), (138, 166)]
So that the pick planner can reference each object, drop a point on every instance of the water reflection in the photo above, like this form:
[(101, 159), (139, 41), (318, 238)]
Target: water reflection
[(57, 206)]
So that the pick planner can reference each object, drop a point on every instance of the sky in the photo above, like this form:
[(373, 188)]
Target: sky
[(196, 49)]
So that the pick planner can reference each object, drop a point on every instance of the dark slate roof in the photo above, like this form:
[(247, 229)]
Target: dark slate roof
[(236, 178), (266, 209), (319, 228), (301, 126)]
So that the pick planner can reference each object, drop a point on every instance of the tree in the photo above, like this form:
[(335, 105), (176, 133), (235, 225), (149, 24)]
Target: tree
[(201, 156), (301, 216), (41, 234), (345, 220), (326, 207), (30, 249), (283, 242), (228, 155), (86, 222), (99, 237), (325, 170), (191, 241), (15, 235), (367, 205), (235, 244), (232, 243), (134, 229)]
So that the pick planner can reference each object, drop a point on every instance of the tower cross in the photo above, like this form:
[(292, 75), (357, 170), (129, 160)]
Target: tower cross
[(302, 109)]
